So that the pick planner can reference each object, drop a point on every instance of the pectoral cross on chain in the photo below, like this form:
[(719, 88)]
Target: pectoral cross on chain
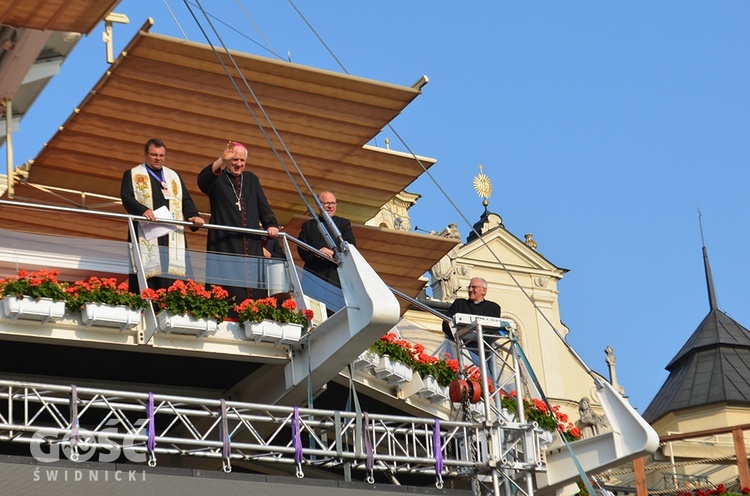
[(239, 205)]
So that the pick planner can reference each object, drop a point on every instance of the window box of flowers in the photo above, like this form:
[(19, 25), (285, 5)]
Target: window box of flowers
[(393, 371), (367, 360), (396, 359), (536, 410), (432, 390), (719, 490), (265, 320), (188, 308), (104, 303), (33, 296), (435, 374), (396, 355)]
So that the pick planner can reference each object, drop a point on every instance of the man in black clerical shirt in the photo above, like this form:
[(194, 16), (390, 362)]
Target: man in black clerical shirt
[(237, 199), (311, 235), (474, 305)]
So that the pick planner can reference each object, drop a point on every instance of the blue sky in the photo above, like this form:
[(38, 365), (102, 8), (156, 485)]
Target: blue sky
[(603, 126)]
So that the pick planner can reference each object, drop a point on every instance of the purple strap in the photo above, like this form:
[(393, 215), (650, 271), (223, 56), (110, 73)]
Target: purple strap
[(224, 433), (296, 437), (437, 447), (151, 429), (369, 455), (75, 436)]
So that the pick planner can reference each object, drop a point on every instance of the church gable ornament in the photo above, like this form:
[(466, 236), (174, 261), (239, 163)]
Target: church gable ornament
[(483, 186)]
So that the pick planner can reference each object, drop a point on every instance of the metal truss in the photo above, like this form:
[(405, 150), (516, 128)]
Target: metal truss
[(102, 425), (496, 355)]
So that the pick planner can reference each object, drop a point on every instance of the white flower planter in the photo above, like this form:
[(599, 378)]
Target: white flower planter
[(28, 308), (275, 332), (185, 324), (367, 361), (432, 391), (118, 316), (392, 371), (546, 438)]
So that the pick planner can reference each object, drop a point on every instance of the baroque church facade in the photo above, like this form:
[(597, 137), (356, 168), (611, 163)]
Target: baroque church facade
[(520, 279)]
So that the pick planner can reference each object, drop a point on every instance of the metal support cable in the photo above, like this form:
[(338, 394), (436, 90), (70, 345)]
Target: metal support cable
[(463, 216), (262, 109)]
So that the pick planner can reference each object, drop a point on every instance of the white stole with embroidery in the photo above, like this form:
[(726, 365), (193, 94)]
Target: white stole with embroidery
[(150, 248)]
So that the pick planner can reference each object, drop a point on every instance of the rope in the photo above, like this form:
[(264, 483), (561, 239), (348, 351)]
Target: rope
[(226, 448), (693, 490), (297, 441), (437, 447), (268, 48), (319, 38), (75, 435), (663, 466), (151, 432)]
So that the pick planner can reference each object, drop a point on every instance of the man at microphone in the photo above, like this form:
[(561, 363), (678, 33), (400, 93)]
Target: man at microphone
[(476, 304)]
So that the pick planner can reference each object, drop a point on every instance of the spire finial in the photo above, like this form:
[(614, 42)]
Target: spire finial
[(712, 302)]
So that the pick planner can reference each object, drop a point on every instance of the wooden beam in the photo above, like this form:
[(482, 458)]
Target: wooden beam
[(707, 432), (739, 449), (639, 471)]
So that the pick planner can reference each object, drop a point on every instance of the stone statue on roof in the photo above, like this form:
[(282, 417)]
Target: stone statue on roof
[(444, 274), (589, 422)]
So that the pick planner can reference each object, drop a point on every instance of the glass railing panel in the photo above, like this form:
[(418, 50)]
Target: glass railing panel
[(321, 290), (28, 250), (78, 257), (221, 269), (81, 257)]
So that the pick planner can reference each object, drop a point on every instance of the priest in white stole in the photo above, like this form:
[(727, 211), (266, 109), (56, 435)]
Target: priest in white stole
[(146, 188)]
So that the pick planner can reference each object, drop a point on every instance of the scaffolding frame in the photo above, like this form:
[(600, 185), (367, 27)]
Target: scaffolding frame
[(84, 422)]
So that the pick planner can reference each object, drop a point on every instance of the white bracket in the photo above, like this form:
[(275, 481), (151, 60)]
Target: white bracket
[(107, 34)]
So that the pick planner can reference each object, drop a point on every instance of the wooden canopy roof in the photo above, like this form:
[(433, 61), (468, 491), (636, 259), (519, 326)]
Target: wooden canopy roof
[(78, 16), (179, 92)]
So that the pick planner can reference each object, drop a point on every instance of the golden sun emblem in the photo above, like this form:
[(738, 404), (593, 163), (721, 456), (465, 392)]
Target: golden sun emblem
[(482, 184)]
